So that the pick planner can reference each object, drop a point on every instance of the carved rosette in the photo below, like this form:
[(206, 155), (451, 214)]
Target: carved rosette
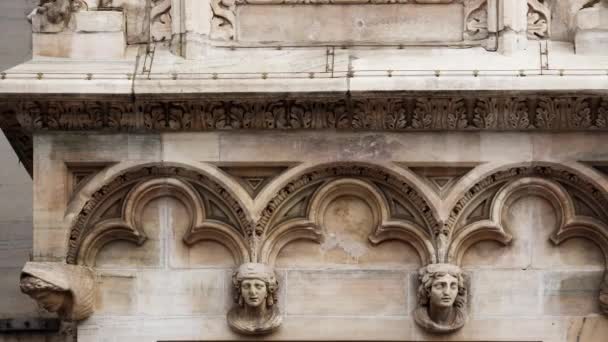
[(68, 290), (539, 19)]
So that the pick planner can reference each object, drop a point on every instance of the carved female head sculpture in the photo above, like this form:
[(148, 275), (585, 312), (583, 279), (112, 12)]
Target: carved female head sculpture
[(256, 289), (67, 290), (442, 298)]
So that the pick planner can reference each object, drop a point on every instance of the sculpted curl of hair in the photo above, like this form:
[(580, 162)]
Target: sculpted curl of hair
[(255, 271)]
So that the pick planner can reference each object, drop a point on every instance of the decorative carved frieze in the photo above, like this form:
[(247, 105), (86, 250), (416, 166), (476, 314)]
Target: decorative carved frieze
[(391, 113), (20, 118), (68, 290), (539, 19)]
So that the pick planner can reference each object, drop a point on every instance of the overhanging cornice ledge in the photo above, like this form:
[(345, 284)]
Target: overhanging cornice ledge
[(557, 111)]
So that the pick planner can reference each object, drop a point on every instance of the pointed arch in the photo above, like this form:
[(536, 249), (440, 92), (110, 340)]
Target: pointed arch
[(197, 191), (317, 187)]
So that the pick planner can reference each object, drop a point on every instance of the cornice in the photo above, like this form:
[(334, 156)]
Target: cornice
[(24, 115)]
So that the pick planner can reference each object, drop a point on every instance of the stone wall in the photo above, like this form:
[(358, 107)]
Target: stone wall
[(343, 287), (15, 184)]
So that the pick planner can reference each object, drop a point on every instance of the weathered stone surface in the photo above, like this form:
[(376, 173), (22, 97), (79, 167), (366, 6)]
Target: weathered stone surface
[(158, 219), (188, 147), (571, 293), (380, 293), (363, 23), (117, 294), (164, 292), (67, 290), (98, 21), (379, 112), (80, 45), (506, 293)]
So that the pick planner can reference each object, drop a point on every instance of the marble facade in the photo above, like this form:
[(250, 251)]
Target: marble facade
[(413, 170)]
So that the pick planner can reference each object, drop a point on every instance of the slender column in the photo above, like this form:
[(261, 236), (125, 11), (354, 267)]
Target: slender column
[(512, 26)]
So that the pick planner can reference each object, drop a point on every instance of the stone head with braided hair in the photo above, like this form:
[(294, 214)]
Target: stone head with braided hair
[(257, 312), (442, 298)]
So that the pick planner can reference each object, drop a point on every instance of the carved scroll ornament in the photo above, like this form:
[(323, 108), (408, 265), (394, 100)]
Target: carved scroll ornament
[(539, 19), (160, 21), (68, 290)]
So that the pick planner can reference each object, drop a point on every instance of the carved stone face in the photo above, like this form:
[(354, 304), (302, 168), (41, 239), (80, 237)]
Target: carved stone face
[(254, 292), (444, 290), (51, 301)]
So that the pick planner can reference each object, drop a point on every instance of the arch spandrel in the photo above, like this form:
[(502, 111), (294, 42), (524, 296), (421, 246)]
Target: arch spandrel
[(194, 189), (375, 185)]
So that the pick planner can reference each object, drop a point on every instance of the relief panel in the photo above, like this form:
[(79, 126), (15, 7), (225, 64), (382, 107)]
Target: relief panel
[(404, 22)]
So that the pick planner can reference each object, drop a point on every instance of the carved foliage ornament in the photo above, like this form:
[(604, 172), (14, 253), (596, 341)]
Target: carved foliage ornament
[(68, 290), (396, 113), (539, 19), (375, 113)]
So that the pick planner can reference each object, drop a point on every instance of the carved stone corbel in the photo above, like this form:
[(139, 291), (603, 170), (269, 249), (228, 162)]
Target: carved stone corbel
[(68, 290), (51, 16), (539, 19), (256, 294), (442, 298)]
